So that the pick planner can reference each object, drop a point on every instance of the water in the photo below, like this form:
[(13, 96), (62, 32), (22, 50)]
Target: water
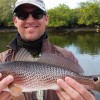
[(90, 63), (85, 47)]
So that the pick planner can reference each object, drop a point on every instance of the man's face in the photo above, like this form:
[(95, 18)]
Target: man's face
[(30, 28)]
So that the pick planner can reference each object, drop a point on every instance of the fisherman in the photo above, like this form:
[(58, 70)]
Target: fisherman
[(31, 19)]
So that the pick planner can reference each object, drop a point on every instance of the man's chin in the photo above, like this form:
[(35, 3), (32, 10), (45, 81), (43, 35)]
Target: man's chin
[(30, 39)]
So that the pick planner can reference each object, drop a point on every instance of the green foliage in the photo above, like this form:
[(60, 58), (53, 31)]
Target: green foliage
[(6, 8), (73, 18), (59, 16), (88, 13)]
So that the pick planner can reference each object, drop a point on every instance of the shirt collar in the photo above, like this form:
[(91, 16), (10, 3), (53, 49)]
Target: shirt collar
[(13, 44)]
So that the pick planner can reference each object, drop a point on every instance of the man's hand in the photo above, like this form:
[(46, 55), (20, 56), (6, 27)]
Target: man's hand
[(72, 90), (4, 84), (5, 96)]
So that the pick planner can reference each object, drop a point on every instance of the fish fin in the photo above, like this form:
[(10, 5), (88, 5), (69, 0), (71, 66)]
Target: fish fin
[(23, 55), (16, 92), (60, 61)]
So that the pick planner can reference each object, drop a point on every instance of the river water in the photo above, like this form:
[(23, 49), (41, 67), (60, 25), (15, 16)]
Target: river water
[(85, 47)]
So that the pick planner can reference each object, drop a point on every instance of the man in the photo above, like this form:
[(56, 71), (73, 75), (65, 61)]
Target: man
[(31, 19)]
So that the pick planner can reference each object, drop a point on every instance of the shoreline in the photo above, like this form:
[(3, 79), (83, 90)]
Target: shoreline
[(65, 30)]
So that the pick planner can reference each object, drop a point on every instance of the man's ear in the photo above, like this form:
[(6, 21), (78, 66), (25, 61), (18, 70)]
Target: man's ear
[(15, 21), (47, 19)]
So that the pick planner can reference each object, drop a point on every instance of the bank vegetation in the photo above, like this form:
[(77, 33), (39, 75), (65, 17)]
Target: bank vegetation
[(87, 14)]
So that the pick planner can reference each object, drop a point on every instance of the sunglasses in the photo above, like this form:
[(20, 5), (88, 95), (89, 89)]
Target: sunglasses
[(35, 14)]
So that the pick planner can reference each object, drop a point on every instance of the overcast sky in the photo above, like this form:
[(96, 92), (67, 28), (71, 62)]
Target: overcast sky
[(71, 3)]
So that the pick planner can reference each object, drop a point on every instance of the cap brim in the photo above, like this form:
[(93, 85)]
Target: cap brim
[(31, 4)]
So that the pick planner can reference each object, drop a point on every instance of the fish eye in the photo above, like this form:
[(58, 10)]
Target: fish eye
[(95, 79)]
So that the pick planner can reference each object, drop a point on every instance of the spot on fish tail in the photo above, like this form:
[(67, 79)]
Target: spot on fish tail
[(16, 92)]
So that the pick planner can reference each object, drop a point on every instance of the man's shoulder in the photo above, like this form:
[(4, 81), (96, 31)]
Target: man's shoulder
[(66, 53), (5, 54), (61, 49)]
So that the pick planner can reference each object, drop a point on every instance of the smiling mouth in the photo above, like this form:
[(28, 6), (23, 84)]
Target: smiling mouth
[(30, 27)]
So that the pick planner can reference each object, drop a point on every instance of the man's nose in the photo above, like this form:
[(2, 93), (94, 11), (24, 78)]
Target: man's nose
[(30, 18)]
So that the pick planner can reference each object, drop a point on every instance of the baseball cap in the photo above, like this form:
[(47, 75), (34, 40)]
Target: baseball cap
[(38, 3)]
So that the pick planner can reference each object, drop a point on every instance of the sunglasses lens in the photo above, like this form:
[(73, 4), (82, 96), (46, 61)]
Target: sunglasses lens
[(38, 14), (22, 15)]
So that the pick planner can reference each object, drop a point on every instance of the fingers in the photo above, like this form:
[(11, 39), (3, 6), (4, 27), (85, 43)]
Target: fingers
[(0, 75), (79, 88), (62, 95), (72, 90), (5, 82), (5, 96), (69, 91)]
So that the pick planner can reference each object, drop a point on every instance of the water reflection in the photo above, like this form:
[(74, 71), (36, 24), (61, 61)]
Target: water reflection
[(5, 38), (90, 63), (85, 43)]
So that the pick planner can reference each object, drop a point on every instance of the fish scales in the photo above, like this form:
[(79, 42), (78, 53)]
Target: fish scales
[(35, 76)]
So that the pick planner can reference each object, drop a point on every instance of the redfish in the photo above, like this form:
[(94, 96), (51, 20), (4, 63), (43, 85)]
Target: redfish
[(32, 74)]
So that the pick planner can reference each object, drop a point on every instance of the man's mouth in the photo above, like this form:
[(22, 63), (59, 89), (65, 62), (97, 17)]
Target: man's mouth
[(30, 27)]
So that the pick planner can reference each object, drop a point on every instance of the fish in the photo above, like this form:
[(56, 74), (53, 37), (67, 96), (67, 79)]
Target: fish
[(31, 74)]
